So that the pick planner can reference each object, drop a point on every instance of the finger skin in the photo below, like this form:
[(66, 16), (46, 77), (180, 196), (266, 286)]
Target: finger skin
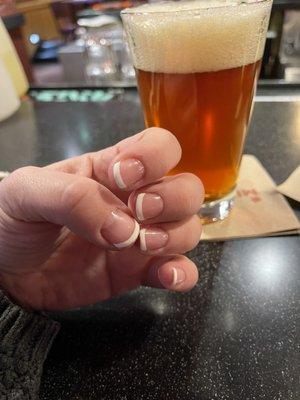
[(157, 150), (182, 196), (160, 273), (81, 204), (57, 215), (183, 236)]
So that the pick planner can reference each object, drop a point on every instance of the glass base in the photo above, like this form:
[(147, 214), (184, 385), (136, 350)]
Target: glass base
[(212, 211)]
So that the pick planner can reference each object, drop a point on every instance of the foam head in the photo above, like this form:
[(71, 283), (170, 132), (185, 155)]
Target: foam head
[(198, 35)]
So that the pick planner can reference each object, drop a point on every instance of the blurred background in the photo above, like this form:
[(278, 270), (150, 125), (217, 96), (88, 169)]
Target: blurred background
[(80, 43)]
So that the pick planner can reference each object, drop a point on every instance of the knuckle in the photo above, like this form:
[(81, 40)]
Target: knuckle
[(169, 137), (192, 193), (196, 184), (85, 165), (197, 190), (73, 195), (172, 140), (187, 236), (195, 229)]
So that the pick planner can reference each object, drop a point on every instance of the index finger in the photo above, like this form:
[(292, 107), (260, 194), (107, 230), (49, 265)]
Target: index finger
[(130, 164), (144, 161)]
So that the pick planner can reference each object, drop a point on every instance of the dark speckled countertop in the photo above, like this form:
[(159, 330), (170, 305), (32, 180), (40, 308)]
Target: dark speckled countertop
[(236, 336)]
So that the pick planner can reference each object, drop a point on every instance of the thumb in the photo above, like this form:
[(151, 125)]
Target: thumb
[(81, 204)]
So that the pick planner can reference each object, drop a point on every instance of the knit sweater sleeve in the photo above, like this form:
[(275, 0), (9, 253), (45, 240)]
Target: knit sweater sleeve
[(25, 339)]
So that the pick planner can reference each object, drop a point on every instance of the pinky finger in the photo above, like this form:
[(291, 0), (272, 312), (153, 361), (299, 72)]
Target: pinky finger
[(176, 273)]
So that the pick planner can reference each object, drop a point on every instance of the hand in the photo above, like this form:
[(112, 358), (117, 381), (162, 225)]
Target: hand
[(69, 231)]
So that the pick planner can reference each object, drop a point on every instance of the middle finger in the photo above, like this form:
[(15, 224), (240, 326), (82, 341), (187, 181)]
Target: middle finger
[(173, 198)]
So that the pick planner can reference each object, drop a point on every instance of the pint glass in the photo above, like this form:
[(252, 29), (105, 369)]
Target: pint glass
[(197, 64)]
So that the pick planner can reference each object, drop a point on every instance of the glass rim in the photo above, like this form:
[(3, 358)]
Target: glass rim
[(138, 9)]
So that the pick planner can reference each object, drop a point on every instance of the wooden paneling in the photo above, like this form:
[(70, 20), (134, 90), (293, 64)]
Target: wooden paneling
[(13, 21), (18, 41), (39, 18)]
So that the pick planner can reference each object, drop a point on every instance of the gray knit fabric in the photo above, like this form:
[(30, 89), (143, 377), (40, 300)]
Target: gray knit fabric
[(25, 339)]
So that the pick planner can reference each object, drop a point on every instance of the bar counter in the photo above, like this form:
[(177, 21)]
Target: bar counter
[(234, 336)]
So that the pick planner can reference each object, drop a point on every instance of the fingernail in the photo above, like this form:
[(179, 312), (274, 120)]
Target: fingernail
[(120, 229), (148, 205), (128, 172), (178, 276), (152, 239), (171, 277)]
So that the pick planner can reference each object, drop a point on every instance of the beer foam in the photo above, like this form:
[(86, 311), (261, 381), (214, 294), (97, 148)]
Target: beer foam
[(198, 35)]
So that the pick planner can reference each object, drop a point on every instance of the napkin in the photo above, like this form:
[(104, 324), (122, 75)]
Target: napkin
[(259, 209), (291, 187)]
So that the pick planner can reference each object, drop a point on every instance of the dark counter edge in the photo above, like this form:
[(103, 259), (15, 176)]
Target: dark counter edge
[(264, 86)]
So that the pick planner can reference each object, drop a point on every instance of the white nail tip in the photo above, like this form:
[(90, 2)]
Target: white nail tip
[(131, 240), (143, 245), (117, 175), (175, 277), (139, 206)]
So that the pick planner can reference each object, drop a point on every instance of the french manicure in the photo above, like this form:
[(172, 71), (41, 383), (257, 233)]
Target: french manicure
[(128, 172), (178, 276), (120, 229), (152, 239), (171, 277), (148, 205)]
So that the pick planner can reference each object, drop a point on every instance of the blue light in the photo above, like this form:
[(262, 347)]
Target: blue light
[(34, 38)]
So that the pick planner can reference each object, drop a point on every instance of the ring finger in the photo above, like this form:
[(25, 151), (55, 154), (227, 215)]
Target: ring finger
[(171, 237)]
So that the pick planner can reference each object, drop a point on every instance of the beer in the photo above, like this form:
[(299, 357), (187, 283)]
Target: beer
[(211, 128), (197, 64)]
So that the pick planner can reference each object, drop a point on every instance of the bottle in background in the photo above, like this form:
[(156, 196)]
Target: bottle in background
[(10, 59), (9, 101)]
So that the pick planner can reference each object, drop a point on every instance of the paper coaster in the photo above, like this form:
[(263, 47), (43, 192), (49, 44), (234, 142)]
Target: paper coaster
[(259, 210)]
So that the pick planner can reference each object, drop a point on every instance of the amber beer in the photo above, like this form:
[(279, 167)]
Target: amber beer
[(197, 64), (211, 128)]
